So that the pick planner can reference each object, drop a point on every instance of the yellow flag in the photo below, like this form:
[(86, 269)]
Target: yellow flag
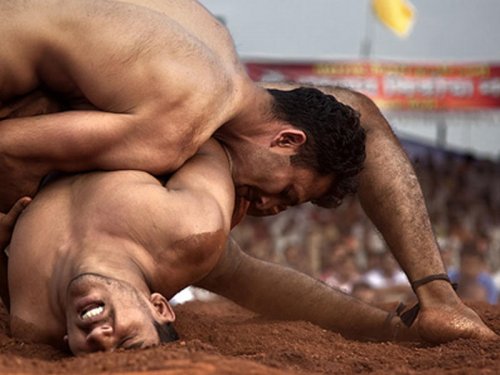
[(397, 15)]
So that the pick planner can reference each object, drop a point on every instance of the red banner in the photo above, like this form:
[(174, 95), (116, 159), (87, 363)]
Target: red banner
[(398, 86)]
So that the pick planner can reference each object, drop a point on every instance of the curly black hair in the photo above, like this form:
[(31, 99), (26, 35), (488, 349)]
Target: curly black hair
[(335, 139), (166, 332)]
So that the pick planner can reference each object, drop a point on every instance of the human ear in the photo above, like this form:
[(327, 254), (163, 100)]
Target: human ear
[(288, 141), (163, 311)]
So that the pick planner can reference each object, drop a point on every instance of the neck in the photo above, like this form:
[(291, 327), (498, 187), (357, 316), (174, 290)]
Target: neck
[(250, 128), (251, 119)]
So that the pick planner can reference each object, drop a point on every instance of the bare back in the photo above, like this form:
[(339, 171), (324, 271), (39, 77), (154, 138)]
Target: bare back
[(90, 48), (149, 81)]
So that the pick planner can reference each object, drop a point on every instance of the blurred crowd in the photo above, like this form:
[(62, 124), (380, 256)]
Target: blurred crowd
[(343, 249)]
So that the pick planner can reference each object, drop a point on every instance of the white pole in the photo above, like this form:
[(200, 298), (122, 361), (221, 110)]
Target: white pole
[(365, 49)]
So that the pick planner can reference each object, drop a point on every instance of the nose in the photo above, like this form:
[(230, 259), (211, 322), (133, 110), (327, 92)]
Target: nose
[(266, 202), (269, 205), (101, 338)]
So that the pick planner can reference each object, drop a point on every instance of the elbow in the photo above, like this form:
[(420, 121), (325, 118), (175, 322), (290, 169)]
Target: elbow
[(154, 159)]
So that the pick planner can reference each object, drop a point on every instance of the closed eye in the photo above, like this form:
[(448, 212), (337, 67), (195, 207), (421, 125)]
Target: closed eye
[(127, 343), (290, 196)]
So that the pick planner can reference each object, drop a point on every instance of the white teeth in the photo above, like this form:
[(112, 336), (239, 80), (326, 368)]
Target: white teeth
[(93, 312)]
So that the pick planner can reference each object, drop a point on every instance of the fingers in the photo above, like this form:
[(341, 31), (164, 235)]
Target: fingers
[(7, 221), (240, 210), (10, 219)]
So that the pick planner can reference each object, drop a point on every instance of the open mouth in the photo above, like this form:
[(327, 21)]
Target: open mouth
[(91, 311)]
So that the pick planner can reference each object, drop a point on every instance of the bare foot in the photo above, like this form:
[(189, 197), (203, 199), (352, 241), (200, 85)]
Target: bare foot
[(445, 323)]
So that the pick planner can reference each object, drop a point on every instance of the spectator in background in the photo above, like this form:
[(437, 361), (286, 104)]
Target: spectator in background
[(449, 254), (364, 292), (341, 270), (474, 281), (387, 278), (296, 259)]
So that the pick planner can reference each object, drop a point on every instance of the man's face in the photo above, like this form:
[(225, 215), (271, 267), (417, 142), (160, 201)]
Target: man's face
[(276, 189), (105, 314)]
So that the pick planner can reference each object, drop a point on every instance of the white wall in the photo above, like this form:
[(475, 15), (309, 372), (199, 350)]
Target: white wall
[(474, 133), (325, 29)]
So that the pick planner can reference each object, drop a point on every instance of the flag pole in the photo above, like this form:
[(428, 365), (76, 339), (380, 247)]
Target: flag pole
[(365, 49)]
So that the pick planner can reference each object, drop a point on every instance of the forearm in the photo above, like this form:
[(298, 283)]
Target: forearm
[(392, 198), (75, 141), (283, 293), (66, 141)]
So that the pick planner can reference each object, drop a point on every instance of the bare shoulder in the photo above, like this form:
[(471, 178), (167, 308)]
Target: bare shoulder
[(192, 235), (371, 118), (360, 102)]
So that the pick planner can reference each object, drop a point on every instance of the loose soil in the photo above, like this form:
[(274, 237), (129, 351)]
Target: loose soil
[(220, 338)]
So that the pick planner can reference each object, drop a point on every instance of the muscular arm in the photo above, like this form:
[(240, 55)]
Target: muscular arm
[(31, 147), (70, 141), (389, 191), (283, 293), (391, 195)]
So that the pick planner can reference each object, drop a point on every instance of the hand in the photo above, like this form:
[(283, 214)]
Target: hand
[(7, 221), (439, 324), (17, 180)]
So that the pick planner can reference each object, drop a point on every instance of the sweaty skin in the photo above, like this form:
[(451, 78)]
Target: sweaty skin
[(145, 84), (454, 321), (125, 227)]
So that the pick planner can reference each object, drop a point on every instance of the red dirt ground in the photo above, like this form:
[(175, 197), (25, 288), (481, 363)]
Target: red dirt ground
[(221, 338)]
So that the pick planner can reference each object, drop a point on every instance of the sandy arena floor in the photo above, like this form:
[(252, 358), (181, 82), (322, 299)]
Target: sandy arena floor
[(220, 338)]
